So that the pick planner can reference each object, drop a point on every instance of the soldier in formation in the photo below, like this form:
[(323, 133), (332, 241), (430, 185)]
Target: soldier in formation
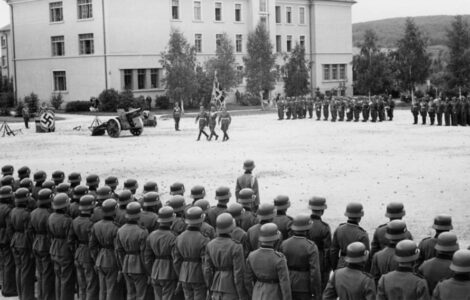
[(456, 111)]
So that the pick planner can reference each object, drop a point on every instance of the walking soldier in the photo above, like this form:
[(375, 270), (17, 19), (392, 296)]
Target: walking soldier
[(212, 123), (225, 119), (202, 117)]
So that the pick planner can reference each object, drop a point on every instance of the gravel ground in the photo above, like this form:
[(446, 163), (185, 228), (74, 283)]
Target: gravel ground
[(427, 168)]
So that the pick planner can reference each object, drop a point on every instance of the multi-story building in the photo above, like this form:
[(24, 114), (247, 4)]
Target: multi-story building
[(80, 47), (6, 50)]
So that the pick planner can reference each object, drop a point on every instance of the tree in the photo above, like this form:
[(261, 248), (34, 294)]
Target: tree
[(411, 61), (224, 64), (204, 86), (179, 61), (458, 69), (259, 62), (296, 79)]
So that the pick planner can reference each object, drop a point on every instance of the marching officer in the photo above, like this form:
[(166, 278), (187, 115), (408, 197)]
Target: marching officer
[(188, 256), (302, 261), (149, 215), (267, 275), (224, 263), (248, 180), (281, 219), (326, 106), (365, 110), (222, 195), (58, 177), (212, 123), (113, 183), (432, 111), (7, 260), (415, 107), (225, 120), (178, 204), (352, 282), (75, 179), (39, 178), (347, 233), (266, 213), (238, 234), (177, 112), (280, 109), (318, 106), (441, 108), (202, 117), (403, 283), (457, 287), (92, 181), (427, 247)]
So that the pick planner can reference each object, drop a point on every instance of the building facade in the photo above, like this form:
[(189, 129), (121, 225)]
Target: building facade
[(80, 47)]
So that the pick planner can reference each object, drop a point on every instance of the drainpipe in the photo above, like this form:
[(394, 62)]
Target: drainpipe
[(104, 47), (310, 8), (15, 92)]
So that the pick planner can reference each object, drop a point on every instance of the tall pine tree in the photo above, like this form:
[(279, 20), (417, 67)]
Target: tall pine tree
[(296, 79), (458, 68)]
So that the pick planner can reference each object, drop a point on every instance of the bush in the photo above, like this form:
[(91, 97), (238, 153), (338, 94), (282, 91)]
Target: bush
[(7, 101), (109, 100), (57, 100), (249, 100), (125, 100), (33, 103), (77, 106), (162, 102)]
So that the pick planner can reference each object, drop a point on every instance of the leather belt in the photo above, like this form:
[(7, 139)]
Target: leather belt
[(267, 280)]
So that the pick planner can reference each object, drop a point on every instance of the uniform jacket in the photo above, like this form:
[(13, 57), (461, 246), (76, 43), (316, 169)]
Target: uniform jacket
[(120, 218), (148, 220), (5, 230), (383, 262), (239, 235), (426, 249), (283, 223), (344, 235), (73, 210), (350, 283), (178, 226), (320, 234), (402, 284), (20, 226), (103, 243), (79, 237), (41, 239), (157, 255), (130, 246), (248, 219), (452, 289), (97, 214), (214, 212), (379, 241), (248, 180), (207, 230), (435, 270), (59, 226)]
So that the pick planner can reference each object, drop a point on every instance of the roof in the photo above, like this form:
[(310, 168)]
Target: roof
[(6, 28)]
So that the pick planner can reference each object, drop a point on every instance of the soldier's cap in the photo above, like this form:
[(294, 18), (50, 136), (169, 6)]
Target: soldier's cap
[(39, 176), (49, 185), (26, 183), (354, 210), (177, 202), (224, 223), (194, 216), (150, 186), (24, 172), (131, 184), (21, 196), (111, 181), (395, 210), (60, 201), (177, 188), (92, 180), (58, 175), (86, 203), (266, 211), (6, 192), (7, 180), (203, 204), (63, 188), (317, 203), (109, 207), (125, 197), (461, 261), (246, 196), (236, 210), (268, 233), (301, 222), (222, 194), (443, 222), (396, 230), (103, 193), (166, 214), (151, 199), (79, 191), (75, 177), (197, 191), (447, 242), (45, 196), (406, 251), (281, 202), (248, 165), (7, 170), (356, 253), (133, 211)]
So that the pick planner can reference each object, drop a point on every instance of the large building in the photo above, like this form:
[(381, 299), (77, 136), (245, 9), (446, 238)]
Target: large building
[(80, 47)]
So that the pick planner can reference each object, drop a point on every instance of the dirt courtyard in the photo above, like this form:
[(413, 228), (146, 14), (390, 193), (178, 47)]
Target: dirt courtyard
[(426, 168)]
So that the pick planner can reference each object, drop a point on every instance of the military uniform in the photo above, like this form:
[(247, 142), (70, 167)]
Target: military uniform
[(381, 110), (214, 212), (436, 269), (383, 262), (280, 109), (248, 180), (427, 249), (344, 235), (283, 223), (334, 110), (289, 107), (202, 117), (379, 241), (212, 123), (326, 110), (225, 119), (441, 107), (318, 106), (350, 283), (391, 108), (455, 112), (373, 111), (177, 116), (310, 107), (341, 110), (320, 233), (7, 260), (415, 107), (456, 288), (402, 284), (357, 110), (448, 112), (365, 111), (432, 112), (463, 112)]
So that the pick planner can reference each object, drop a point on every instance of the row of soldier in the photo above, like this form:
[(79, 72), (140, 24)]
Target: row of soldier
[(377, 108), (456, 111), (175, 247)]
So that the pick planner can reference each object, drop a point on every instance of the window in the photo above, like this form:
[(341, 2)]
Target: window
[(278, 44), (154, 79), (55, 10), (288, 15), (218, 38), (278, 14), (238, 43), (326, 72), (128, 80), (141, 79), (86, 44), (289, 43), (197, 10), (342, 71), (85, 9), (302, 15), (263, 6), (60, 82), (57, 43), (175, 9), (238, 12), (263, 20), (302, 41), (198, 42), (218, 11), (4, 61), (334, 72), (4, 41)]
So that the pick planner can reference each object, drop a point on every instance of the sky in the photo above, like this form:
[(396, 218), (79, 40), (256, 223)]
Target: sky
[(365, 10)]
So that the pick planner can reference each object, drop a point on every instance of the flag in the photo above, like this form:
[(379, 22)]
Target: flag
[(216, 92)]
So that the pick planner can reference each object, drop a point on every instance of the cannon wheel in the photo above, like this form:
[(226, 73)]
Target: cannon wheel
[(114, 128), (136, 131)]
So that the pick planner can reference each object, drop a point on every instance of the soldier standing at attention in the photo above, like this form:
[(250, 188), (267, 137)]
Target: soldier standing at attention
[(310, 107), (302, 261), (455, 111), (391, 105), (381, 109), (281, 219), (357, 109), (288, 108), (75, 179), (265, 215), (225, 119), (58, 177), (352, 282), (178, 204), (415, 111), (365, 110), (432, 111), (238, 234), (448, 112), (212, 123), (104, 193), (318, 108), (457, 287), (267, 275), (206, 229), (177, 115), (248, 180), (77, 193), (341, 109), (202, 117), (463, 111), (441, 107), (326, 111), (295, 108), (150, 206), (373, 110), (280, 108), (39, 178), (248, 217), (347, 233), (125, 197), (442, 223), (334, 109), (93, 182), (222, 195)]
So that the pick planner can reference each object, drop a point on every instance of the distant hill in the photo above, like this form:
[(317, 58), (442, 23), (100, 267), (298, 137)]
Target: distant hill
[(389, 31)]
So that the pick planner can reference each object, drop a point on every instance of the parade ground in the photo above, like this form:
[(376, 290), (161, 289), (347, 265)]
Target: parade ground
[(427, 168)]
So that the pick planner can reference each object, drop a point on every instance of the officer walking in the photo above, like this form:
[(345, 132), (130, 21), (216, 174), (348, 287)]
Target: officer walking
[(457, 287), (202, 117), (248, 180), (212, 123), (224, 121)]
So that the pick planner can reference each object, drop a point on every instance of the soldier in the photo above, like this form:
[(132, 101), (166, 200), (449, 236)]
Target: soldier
[(8, 180), (104, 193), (8, 263), (206, 229), (280, 109), (391, 108), (374, 110), (310, 107), (318, 106), (188, 255), (352, 282), (131, 185), (381, 109), (265, 215), (441, 107), (432, 111), (365, 110), (49, 185), (320, 234), (302, 261), (248, 180), (59, 225), (248, 217), (93, 182), (415, 108), (341, 109), (289, 108), (357, 110), (334, 110), (457, 287), (23, 172), (437, 268), (402, 283), (125, 197), (39, 178), (7, 170), (442, 223), (224, 263), (325, 104), (202, 117), (295, 108), (150, 206), (130, 245), (267, 275), (395, 211), (78, 192), (281, 219), (21, 244), (463, 111), (79, 237), (178, 204), (455, 111), (58, 177), (222, 195), (64, 188), (113, 183), (238, 234), (150, 186), (347, 233), (177, 112), (212, 123), (75, 179), (102, 245), (448, 112), (158, 258), (197, 192), (225, 119), (41, 245), (468, 110)]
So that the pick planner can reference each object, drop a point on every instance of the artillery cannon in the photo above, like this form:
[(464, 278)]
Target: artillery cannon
[(130, 120)]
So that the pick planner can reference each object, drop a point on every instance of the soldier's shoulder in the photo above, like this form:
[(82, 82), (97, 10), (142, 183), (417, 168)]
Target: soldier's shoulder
[(368, 275), (425, 241), (382, 225), (279, 255)]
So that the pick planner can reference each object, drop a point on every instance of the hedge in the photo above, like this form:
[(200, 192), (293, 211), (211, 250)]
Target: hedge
[(77, 106)]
